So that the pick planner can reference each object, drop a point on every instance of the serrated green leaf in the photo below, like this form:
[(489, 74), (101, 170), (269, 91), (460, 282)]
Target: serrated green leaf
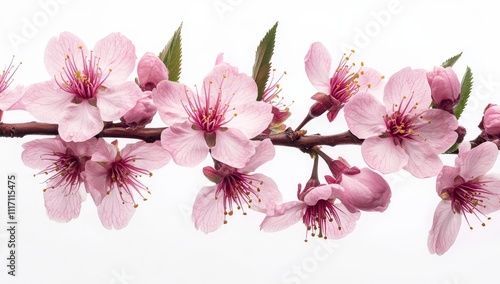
[(453, 148), (262, 65), (171, 56), (450, 61), (465, 90)]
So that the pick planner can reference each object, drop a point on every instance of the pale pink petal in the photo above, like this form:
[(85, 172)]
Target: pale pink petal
[(208, 210), (268, 194), (219, 59), (347, 223), (59, 48), (115, 101), (478, 161), (250, 118), (113, 212), (170, 98), (45, 101), (283, 216), (116, 52), (149, 156), (234, 88), (35, 151), (62, 206), (80, 122), (10, 97), (367, 191), (422, 162), (322, 192), (446, 179), (150, 69), (104, 152), (370, 80), (381, 154), (364, 115), (232, 148), (264, 152), (408, 88), (318, 64), (491, 202), (82, 149), (437, 127), (95, 176), (187, 146), (445, 228)]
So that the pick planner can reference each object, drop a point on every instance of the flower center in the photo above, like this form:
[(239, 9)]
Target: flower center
[(344, 82), (7, 73), (317, 216), (469, 197), (238, 190), (65, 171), (402, 123), (124, 175), (84, 83), (208, 113)]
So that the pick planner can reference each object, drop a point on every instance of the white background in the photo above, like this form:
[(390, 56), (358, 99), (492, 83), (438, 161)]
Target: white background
[(160, 244)]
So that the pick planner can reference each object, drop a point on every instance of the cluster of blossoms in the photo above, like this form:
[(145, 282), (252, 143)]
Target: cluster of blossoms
[(236, 121)]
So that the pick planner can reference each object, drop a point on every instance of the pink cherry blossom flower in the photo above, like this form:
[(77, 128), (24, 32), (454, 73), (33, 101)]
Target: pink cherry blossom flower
[(63, 163), (466, 190), (404, 133), (363, 189), (491, 120), (236, 188), (88, 87), (220, 120), (319, 210), (445, 87), (8, 97), (113, 178), (335, 91)]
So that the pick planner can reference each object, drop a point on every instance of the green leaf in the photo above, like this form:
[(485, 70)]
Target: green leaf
[(450, 61), (171, 56), (465, 90), (262, 65)]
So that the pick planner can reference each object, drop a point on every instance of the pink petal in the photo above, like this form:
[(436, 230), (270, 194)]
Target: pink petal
[(251, 118), (113, 212), (170, 98), (446, 179), (370, 80), (491, 203), (318, 64), (445, 228), (478, 161), (234, 88), (411, 84), (232, 148), (35, 150), (80, 122), (187, 146), (150, 69), (367, 191), (208, 211), (322, 192), (264, 152), (115, 101), (95, 176), (116, 52), (422, 162), (347, 223), (59, 48), (82, 149), (45, 101), (283, 216), (364, 115), (150, 156), (62, 206), (10, 97), (437, 127), (269, 194), (381, 154), (104, 152)]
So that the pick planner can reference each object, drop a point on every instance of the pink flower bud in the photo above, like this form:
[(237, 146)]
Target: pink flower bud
[(445, 87), (142, 113), (491, 120), (151, 71)]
